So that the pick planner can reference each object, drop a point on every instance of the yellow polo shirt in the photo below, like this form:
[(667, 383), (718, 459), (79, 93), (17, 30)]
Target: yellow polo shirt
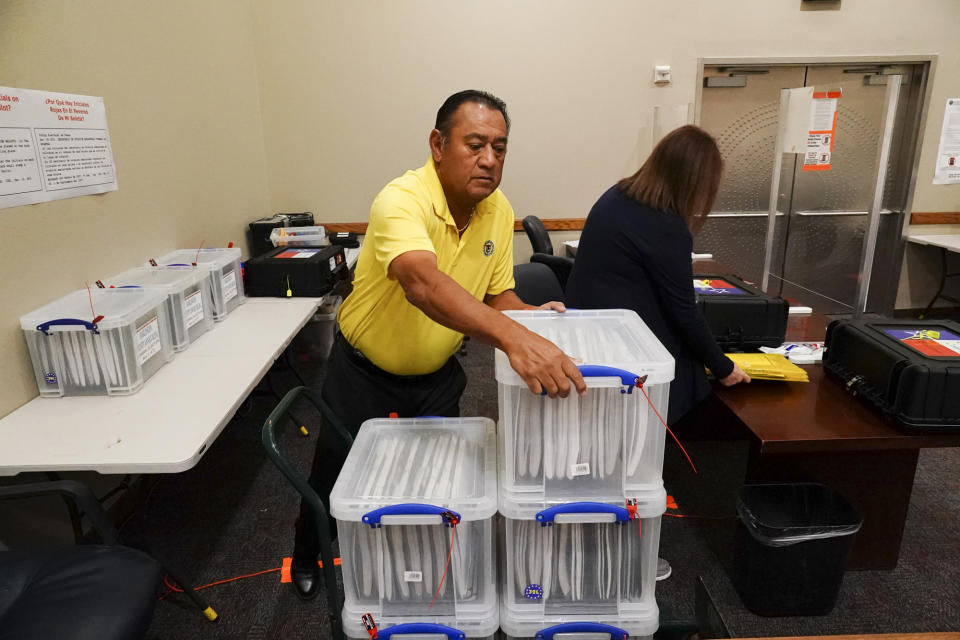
[(411, 214)]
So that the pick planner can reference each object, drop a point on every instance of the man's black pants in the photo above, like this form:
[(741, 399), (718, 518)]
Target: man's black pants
[(357, 390)]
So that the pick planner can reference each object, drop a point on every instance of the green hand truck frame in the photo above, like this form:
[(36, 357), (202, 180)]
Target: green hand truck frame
[(269, 438)]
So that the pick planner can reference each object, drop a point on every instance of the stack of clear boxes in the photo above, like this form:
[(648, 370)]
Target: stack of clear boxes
[(189, 305), (581, 488), (414, 506), (77, 354), (222, 267)]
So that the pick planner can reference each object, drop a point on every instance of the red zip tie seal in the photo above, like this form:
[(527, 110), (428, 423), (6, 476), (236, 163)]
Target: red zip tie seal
[(639, 383), (631, 504), (451, 520), (370, 625)]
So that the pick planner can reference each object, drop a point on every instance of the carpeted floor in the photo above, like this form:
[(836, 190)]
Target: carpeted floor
[(233, 515)]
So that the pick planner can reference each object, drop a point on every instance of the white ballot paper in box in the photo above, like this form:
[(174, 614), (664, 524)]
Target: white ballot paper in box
[(52, 146)]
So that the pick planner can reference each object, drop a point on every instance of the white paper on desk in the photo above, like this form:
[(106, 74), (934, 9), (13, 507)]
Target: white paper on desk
[(948, 154), (52, 146)]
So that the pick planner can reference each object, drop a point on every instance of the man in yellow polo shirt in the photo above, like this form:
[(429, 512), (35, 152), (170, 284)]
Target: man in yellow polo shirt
[(436, 264)]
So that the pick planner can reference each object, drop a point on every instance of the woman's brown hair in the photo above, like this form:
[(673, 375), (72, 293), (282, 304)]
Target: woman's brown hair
[(682, 175)]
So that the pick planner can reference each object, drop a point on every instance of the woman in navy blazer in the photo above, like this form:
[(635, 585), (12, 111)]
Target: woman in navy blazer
[(634, 253)]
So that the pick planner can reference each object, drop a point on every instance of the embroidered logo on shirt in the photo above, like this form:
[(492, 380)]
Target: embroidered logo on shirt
[(488, 248)]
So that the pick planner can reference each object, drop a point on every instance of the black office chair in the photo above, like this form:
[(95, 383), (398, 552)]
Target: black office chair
[(539, 238), (92, 591), (560, 265), (536, 283), (543, 250)]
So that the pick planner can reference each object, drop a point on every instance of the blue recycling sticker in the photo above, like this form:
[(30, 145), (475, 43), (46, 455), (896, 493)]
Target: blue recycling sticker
[(50, 377), (533, 592)]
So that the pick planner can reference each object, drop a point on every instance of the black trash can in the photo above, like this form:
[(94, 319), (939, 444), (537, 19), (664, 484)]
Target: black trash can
[(791, 548)]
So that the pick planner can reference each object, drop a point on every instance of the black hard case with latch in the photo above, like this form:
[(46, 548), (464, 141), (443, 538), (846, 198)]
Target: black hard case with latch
[(272, 274), (745, 320), (919, 391)]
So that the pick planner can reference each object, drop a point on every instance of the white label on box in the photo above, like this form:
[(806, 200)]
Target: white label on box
[(193, 309), (580, 469), (148, 340), (413, 576), (229, 283), (333, 265)]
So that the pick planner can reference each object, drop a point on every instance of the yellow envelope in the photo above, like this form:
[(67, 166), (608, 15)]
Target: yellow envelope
[(769, 366)]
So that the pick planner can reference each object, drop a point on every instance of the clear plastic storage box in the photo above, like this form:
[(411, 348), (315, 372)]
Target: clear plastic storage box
[(189, 306), (605, 445), (403, 485), (223, 267), (73, 356), (299, 237), (423, 628), (582, 558), (576, 628)]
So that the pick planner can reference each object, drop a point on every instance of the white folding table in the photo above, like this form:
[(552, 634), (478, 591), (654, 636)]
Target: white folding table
[(944, 242), (166, 426)]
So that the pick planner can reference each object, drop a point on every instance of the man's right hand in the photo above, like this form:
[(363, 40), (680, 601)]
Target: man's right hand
[(542, 365)]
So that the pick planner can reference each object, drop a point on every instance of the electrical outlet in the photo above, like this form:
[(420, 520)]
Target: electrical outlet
[(661, 74)]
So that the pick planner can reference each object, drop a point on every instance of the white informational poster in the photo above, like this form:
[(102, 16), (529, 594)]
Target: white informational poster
[(52, 146), (822, 131), (948, 154)]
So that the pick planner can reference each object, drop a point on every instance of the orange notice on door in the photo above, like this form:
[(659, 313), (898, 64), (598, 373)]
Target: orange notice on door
[(823, 129)]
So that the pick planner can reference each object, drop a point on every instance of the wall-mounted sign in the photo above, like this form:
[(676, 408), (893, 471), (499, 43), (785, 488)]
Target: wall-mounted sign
[(52, 146), (822, 131), (948, 154)]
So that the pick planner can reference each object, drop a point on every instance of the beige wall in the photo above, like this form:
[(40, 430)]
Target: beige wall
[(224, 110), (179, 82), (349, 90)]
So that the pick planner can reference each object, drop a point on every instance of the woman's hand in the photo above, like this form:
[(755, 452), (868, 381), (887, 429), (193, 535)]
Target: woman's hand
[(736, 376)]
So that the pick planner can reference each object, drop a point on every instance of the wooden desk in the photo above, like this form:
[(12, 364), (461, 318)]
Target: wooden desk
[(818, 431), (948, 635)]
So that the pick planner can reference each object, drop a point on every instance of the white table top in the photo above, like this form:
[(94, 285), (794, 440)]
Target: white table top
[(950, 241), (167, 425), (575, 244)]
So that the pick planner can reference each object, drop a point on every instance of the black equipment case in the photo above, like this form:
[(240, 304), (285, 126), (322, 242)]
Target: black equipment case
[(259, 233), (295, 271), (909, 369), (346, 239), (739, 315)]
